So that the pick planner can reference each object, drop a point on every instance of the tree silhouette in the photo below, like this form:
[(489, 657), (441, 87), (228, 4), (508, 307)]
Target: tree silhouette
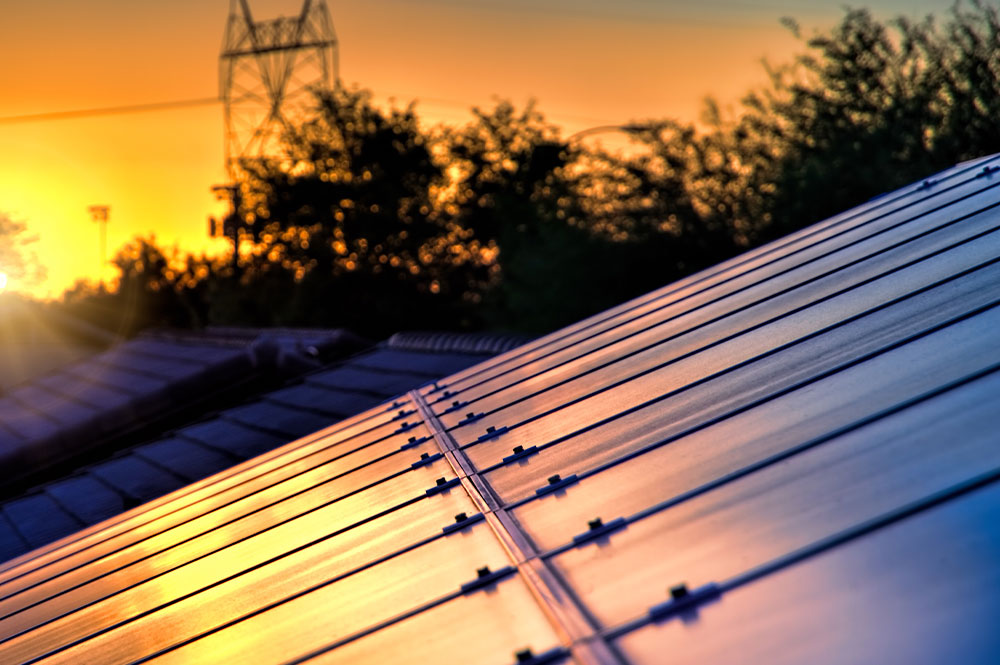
[(156, 287), (18, 261), (872, 106), (372, 222), (349, 215)]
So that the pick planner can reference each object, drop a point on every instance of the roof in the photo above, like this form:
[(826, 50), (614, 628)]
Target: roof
[(88, 404), (791, 457)]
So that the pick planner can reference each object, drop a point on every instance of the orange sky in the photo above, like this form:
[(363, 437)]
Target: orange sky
[(588, 63)]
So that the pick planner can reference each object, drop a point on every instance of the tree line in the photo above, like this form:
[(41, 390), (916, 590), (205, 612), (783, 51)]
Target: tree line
[(370, 221)]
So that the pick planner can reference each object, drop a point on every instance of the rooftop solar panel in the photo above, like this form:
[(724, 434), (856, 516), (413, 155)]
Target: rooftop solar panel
[(919, 590), (789, 458), (799, 248), (144, 471)]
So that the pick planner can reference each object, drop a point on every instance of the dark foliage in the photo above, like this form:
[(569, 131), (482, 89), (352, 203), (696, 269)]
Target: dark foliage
[(17, 260), (372, 222)]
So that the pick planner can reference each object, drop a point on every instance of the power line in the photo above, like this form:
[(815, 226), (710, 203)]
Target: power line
[(467, 106), (108, 110), (209, 101)]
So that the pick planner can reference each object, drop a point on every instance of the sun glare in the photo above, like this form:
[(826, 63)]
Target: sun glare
[(3, 281)]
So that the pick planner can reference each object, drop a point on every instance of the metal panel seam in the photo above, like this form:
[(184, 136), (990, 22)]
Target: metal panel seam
[(570, 619)]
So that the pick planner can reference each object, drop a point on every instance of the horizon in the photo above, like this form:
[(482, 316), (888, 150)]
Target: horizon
[(155, 169)]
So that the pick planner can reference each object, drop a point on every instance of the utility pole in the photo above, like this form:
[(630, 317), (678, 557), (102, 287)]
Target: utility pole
[(100, 215), (230, 225)]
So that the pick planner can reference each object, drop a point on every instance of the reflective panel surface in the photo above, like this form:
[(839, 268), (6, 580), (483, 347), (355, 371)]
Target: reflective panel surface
[(921, 591)]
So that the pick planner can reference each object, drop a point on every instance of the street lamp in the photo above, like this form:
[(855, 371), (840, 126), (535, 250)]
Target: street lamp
[(230, 225), (99, 215), (628, 128), (549, 153)]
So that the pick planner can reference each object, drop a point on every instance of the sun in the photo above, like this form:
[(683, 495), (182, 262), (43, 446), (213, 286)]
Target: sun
[(3, 281)]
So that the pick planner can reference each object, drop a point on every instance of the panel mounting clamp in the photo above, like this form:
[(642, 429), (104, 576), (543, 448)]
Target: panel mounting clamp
[(519, 453), (597, 528), (486, 577), (556, 483), (681, 599), (426, 459), (463, 521), (405, 427), (402, 413), (455, 406), (528, 657), (413, 442), (492, 433), (442, 485), (471, 417)]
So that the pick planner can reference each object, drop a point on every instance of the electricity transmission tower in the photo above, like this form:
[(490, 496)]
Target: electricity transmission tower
[(267, 73)]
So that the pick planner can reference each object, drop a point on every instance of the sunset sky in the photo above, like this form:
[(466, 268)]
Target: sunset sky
[(586, 62)]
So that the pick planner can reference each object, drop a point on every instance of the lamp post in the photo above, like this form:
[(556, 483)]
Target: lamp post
[(628, 128), (100, 215), (229, 226)]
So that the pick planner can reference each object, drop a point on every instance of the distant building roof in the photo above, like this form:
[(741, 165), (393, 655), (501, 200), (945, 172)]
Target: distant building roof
[(83, 405), (791, 457)]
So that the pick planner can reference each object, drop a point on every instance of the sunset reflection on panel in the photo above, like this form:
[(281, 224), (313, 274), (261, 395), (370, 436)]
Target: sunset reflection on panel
[(840, 606)]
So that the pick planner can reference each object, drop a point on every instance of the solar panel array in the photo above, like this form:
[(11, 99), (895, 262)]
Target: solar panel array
[(144, 470), (789, 458)]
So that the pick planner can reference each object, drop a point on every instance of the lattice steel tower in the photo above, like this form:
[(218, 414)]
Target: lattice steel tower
[(267, 72)]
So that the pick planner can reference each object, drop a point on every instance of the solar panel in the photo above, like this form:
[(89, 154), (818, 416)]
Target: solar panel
[(144, 470), (879, 598), (791, 457)]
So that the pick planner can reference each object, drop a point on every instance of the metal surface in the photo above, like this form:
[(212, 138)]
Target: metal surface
[(572, 622), (888, 597), (675, 468), (786, 506)]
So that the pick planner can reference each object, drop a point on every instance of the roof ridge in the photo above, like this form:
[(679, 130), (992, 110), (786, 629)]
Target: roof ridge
[(455, 342)]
